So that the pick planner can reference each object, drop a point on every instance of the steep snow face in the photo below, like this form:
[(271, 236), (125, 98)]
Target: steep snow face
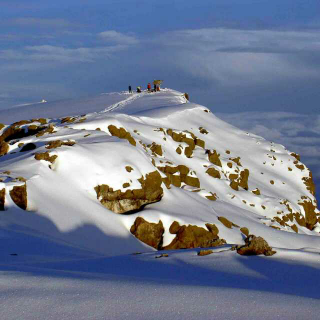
[(210, 171)]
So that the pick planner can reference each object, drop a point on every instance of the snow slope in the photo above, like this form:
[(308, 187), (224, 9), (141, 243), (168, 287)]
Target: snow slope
[(69, 244)]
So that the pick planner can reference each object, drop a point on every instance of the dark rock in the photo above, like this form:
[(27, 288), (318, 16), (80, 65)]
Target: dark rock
[(4, 148), (255, 246), (2, 198), (193, 237), (148, 232), (131, 200), (19, 196), (28, 147), (204, 252)]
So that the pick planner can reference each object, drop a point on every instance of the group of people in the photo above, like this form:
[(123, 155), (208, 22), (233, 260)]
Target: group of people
[(155, 88)]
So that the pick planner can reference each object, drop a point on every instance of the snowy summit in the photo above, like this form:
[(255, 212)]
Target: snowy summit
[(99, 179)]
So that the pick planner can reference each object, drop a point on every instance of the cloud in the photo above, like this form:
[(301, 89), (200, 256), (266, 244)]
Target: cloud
[(238, 58), (117, 37), (61, 55)]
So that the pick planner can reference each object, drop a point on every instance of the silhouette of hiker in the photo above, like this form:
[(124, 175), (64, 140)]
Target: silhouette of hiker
[(130, 89)]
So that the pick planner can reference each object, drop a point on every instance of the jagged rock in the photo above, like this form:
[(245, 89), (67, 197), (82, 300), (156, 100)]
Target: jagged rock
[(256, 191), (1, 126), (213, 173), (236, 160), (193, 237), (129, 169), (58, 143), (4, 148), (147, 232), (308, 181), (204, 252), (2, 198), (255, 246), (131, 200), (212, 197), (244, 176), (49, 129), (214, 158), (18, 195), (245, 231), (45, 156), (68, 120), (121, 133), (156, 148), (227, 223), (310, 213), (294, 228), (15, 132), (28, 147)]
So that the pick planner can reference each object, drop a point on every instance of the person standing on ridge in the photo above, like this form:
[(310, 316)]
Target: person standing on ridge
[(149, 87), (130, 89)]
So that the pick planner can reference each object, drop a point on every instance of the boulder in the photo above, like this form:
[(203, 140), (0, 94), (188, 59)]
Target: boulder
[(255, 246), (18, 195), (193, 237), (4, 148), (148, 232), (204, 252), (131, 200), (2, 198)]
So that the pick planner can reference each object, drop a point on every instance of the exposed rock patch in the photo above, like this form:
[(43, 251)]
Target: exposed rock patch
[(227, 223), (147, 232), (121, 133), (4, 148), (193, 237), (18, 195), (214, 173), (308, 181), (45, 156), (2, 198), (255, 246), (131, 200), (204, 252), (310, 213), (214, 158), (58, 143)]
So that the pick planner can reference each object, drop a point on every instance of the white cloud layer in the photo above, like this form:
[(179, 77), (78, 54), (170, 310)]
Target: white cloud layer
[(239, 57), (117, 37)]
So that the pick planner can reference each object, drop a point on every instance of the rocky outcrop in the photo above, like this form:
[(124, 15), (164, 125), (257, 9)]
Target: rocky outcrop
[(16, 132), (4, 148), (177, 175), (193, 236), (18, 195), (255, 246), (2, 198), (147, 232), (310, 213), (227, 223), (131, 200), (202, 253), (58, 143), (121, 133), (45, 156), (191, 142)]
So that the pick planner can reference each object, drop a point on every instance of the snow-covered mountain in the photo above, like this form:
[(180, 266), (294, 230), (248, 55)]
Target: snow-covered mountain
[(86, 177), (91, 188)]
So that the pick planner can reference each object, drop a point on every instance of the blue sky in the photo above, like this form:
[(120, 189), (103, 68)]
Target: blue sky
[(232, 56)]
